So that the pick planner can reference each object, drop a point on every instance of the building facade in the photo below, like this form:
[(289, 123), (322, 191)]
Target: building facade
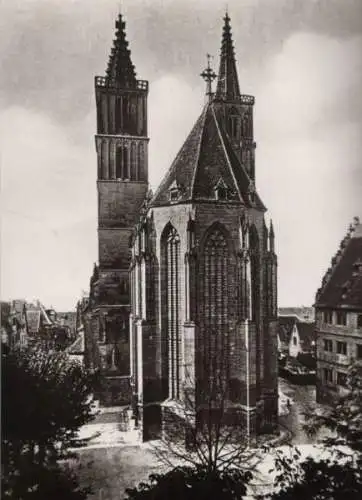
[(339, 317), (195, 262)]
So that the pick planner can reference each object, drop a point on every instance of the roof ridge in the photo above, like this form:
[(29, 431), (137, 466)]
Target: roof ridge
[(226, 154), (203, 115)]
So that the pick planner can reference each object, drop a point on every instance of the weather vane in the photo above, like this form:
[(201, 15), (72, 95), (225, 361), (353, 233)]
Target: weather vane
[(208, 75)]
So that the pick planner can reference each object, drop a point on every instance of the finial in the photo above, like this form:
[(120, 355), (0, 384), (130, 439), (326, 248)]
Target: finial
[(208, 75)]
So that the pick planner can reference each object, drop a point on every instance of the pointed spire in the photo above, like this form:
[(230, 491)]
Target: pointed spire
[(120, 69), (227, 84)]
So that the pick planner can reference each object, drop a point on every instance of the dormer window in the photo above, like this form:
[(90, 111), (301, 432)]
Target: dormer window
[(174, 192), (221, 191)]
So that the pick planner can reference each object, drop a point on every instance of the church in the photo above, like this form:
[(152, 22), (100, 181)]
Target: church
[(186, 284)]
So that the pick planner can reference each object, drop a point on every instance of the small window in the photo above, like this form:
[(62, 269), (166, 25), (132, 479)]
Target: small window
[(328, 316), (174, 194), (294, 340), (342, 348), (221, 193), (328, 345), (341, 318), (328, 375), (359, 321), (341, 379), (359, 351)]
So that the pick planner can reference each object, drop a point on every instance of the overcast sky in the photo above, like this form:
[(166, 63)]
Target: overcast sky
[(302, 59)]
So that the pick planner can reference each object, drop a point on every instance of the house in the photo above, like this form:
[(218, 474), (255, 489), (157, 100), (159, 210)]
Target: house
[(13, 323), (338, 309), (286, 326), (296, 338), (192, 264)]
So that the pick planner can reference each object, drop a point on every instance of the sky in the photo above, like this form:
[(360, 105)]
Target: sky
[(301, 59)]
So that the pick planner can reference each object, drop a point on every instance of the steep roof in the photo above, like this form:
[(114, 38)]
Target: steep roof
[(342, 285), (285, 327), (307, 334), (120, 69), (227, 83), (78, 346), (206, 157)]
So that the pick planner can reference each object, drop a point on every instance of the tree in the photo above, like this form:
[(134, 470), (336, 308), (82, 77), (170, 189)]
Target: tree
[(338, 476), (46, 398), (205, 430), (192, 483)]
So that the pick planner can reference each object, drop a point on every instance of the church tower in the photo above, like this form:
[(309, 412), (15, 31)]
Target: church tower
[(122, 184), (204, 272)]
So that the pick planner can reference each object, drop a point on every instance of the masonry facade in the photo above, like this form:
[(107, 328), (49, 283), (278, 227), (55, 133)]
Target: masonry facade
[(197, 258), (339, 317)]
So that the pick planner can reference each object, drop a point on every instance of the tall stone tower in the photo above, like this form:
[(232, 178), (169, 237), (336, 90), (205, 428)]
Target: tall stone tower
[(122, 184)]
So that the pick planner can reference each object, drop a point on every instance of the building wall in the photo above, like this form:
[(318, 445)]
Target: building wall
[(149, 336), (330, 384)]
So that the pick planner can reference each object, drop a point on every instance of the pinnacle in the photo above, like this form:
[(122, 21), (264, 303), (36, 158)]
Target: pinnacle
[(227, 84), (120, 69)]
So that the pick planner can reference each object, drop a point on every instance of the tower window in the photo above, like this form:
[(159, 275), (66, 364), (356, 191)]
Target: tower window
[(134, 166), (234, 127)]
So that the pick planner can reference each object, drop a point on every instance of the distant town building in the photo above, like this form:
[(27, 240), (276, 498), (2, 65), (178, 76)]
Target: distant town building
[(296, 338), (303, 313), (339, 316), (24, 323), (191, 271)]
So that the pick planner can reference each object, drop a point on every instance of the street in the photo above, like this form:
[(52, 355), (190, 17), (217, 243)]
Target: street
[(302, 399)]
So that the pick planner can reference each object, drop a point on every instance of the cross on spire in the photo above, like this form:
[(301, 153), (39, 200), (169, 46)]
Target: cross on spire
[(208, 75)]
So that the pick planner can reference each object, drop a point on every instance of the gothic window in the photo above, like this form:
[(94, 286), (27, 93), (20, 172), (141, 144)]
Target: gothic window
[(234, 127), (255, 271), (171, 307), (215, 262), (141, 161), (118, 114), (214, 308), (119, 161), (104, 160), (134, 169)]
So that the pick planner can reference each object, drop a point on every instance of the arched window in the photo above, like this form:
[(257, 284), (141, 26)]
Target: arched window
[(119, 161), (104, 160), (254, 271), (141, 161), (215, 273), (171, 307), (134, 169)]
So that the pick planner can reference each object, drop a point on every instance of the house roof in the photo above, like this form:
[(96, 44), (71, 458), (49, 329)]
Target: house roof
[(285, 327), (307, 334), (77, 347), (343, 282)]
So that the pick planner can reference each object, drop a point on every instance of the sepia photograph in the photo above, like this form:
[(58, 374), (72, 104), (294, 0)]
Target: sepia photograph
[(181, 249)]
